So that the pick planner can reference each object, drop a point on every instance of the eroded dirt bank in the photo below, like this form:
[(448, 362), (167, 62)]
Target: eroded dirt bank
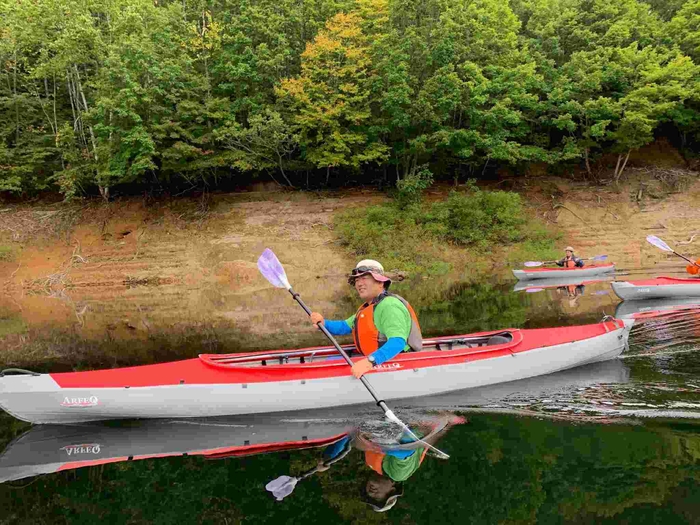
[(143, 278)]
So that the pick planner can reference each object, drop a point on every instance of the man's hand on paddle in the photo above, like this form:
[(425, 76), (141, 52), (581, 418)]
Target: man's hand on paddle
[(361, 368), (358, 369)]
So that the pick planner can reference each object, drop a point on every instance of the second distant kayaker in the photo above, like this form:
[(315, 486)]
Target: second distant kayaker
[(383, 327), (570, 260)]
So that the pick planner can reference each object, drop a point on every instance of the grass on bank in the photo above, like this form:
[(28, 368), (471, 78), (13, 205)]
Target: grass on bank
[(7, 254), (421, 238)]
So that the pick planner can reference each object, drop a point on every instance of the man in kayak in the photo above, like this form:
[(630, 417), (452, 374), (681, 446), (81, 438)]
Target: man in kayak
[(383, 327), (570, 260)]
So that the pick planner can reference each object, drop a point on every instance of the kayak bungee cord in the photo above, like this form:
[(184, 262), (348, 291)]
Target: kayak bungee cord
[(271, 268)]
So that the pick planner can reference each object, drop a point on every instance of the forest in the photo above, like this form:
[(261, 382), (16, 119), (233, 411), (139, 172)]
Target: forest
[(116, 96)]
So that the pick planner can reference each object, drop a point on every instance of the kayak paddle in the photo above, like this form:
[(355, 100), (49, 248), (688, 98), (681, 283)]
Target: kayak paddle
[(533, 264), (272, 270), (653, 239), (284, 485)]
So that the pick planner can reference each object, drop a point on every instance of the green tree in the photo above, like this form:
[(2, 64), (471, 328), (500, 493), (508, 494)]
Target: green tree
[(329, 102)]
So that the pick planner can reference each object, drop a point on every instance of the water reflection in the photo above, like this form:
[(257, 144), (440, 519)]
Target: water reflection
[(502, 468), (54, 448), (598, 446), (390, 462)]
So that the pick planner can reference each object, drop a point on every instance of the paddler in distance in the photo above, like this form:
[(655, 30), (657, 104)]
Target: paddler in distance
[(570, 260), (383, 327)]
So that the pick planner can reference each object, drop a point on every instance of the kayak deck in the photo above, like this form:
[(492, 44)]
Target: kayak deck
[(503, 338)]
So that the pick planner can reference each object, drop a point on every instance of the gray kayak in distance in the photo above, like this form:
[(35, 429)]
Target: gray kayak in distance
[(561, 273), (657, 288)]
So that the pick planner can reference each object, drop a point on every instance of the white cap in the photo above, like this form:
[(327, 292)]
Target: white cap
[(370, 263)]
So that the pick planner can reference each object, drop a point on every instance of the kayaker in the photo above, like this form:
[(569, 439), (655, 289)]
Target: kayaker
[(570, 260), (385, 324)]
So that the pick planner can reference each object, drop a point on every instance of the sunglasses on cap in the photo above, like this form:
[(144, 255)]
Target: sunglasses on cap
[(365, 269)]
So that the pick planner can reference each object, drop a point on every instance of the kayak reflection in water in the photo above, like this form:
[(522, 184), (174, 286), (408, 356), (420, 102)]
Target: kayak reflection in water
[(391, 464)]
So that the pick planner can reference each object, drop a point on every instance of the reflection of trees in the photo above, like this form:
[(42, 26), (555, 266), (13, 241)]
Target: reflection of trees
[(503, 469), (468, 308)]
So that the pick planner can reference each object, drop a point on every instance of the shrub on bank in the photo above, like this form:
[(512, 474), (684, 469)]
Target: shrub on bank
[(409, 235)]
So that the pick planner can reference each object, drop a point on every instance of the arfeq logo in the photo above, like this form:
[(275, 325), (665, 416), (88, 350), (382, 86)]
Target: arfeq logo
[(80, 402), (388, 366), (89, 448)]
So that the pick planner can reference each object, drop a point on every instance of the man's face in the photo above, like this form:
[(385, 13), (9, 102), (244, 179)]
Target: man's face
[(367, 288), (379, 488), (569, 253)]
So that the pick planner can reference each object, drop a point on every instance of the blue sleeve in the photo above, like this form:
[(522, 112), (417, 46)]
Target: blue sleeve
[(337, 327), (389, 350), (579, 263)]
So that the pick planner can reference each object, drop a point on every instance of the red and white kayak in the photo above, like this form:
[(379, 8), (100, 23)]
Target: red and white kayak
[(657, 288), (559, 273), (282, 380)]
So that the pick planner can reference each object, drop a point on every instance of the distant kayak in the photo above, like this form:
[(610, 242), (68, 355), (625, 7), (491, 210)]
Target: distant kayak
[(558, 273), (282, 380), (657, 288)]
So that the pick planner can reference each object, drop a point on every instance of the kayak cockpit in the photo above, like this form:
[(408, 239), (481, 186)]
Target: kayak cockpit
[(327, 354)]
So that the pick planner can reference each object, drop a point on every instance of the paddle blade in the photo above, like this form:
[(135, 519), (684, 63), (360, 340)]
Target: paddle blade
[(533, 264), (272, 269), (600, 258), (282, 487), (653, 239)]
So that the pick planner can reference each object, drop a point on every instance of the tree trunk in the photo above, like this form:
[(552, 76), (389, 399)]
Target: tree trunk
[(14, 75), (619, 169), (585, 156), (279, 162)]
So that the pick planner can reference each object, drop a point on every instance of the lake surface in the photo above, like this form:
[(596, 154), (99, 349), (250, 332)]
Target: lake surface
[(613, 442)]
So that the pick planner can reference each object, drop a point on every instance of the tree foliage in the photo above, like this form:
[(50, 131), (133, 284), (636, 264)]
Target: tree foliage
[(98, 95)]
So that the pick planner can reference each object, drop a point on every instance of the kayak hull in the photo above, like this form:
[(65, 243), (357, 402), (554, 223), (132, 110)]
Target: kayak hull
[(206, 390), (658, 288), (563, 273)]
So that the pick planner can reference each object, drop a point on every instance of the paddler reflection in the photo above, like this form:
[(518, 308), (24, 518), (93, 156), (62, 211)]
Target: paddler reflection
[(389, 464)]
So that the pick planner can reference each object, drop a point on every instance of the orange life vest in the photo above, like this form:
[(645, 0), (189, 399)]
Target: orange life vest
[(570, 263), (374, 460), (366, 335)]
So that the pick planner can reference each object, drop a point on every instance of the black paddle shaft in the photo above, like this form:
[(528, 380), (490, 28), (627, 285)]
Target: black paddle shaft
[(325, 331), (686, 258)]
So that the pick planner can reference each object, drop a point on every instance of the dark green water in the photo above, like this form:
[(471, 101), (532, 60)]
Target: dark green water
[(615, 442)]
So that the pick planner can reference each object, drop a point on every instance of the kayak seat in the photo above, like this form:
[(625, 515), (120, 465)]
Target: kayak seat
[(499, 339)]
